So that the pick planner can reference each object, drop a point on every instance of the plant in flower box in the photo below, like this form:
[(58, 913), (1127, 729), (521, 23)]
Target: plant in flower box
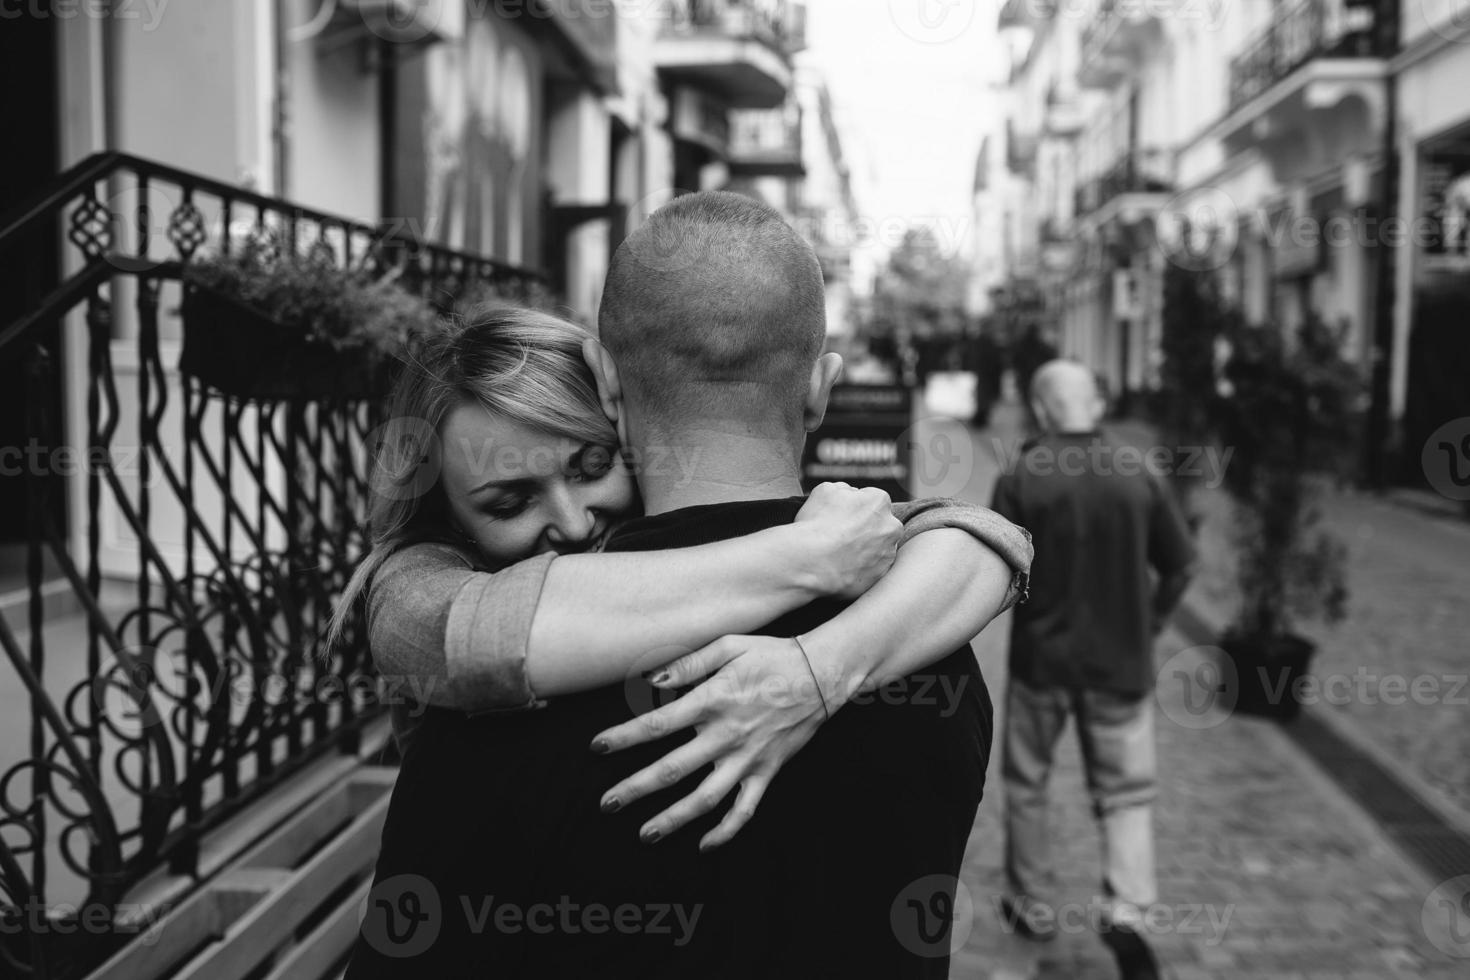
[(270, 325)]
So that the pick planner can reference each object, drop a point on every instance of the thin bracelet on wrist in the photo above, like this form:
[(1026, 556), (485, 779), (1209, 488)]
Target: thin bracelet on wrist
[(826, 712)]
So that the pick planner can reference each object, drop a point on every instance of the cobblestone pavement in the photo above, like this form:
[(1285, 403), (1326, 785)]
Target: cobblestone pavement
[(1265, 869), (1397, 671)]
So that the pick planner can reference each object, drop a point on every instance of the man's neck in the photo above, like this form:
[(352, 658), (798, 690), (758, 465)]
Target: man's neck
[(701, 466)]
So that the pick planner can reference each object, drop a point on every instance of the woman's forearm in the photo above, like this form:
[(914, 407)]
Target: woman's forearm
[(944, 588), (604, 617)]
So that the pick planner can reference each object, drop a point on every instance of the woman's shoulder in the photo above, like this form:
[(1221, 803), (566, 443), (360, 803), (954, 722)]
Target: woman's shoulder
[(418, 559)]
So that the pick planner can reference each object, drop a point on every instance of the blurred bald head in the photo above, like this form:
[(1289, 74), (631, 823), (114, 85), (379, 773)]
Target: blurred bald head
[(1065, 398), (715, 311)]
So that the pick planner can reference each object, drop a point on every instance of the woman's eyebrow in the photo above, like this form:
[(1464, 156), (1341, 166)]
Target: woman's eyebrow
[(514, 482)]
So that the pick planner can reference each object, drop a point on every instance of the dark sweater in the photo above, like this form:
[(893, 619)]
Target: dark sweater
[(883, 796), (1099, 521)]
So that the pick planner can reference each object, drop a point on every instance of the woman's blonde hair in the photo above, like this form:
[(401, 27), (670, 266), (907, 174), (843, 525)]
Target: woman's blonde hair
[(521, 364)]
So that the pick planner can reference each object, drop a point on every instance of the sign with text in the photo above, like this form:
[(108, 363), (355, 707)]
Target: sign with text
[(864, 440), (1445, 209)]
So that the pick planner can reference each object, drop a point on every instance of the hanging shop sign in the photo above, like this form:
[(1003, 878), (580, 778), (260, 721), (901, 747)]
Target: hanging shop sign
[(864, 440), (1445, 210)]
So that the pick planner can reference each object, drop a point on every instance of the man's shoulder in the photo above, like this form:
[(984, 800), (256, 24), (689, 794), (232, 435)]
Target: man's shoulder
[(702, 524)]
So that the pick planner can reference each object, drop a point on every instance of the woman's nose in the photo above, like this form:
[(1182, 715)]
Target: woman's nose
[(571, 521)]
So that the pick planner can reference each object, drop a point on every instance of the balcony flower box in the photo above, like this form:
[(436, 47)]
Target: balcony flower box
[(241, 350), (267, 327)]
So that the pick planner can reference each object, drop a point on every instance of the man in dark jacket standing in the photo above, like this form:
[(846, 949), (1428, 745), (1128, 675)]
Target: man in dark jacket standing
[(1082, 645)]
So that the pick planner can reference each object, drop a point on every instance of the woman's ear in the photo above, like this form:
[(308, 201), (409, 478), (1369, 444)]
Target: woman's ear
[(824, 375), (605, 373)]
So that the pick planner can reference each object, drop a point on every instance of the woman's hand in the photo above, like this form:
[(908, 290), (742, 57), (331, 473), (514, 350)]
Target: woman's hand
[(761, 707), (854, 536)]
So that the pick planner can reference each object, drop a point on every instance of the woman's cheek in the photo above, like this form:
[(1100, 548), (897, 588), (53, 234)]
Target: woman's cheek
[(620, 492), (507, 540)]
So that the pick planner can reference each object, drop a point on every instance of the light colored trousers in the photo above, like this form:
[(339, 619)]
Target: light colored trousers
[(1117, 736)]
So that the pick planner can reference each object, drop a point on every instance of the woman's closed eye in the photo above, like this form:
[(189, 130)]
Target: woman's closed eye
[(507, 507)]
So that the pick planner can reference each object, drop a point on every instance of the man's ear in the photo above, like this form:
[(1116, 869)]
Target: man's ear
[(824, 375), (605, 373), (1038, 409)]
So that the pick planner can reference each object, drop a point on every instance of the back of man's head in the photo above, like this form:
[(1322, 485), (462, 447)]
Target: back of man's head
[(714, 310), (1065, 397)]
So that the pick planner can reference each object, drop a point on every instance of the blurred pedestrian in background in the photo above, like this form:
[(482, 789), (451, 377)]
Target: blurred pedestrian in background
[(1082, 646)]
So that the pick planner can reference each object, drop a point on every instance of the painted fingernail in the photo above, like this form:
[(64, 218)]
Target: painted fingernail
[(599, 745), (652, 836), (660, 679), (612, 805)]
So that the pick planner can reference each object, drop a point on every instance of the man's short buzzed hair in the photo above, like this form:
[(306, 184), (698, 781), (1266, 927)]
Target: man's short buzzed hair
[(715, 308)]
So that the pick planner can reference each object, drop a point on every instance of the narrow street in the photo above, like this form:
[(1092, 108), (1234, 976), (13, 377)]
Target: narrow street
[(1266, 870)]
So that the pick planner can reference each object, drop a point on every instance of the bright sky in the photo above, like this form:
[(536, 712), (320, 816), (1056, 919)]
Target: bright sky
[(912, 82)]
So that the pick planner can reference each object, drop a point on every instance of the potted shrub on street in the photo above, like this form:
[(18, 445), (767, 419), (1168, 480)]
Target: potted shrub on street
[(1289, 414), (264, 325)]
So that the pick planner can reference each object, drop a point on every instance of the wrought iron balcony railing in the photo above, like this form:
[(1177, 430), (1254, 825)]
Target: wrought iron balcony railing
[(1307, 30), (1136, 173), (781, 24), (193, 677)]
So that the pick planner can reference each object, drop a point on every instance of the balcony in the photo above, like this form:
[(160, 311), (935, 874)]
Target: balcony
[(1064, 117), (766, 142), (173, 734), (738, 50), (592, 41), (1304, 32), (1118, 39), (1321, 67), (1132, 188)]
